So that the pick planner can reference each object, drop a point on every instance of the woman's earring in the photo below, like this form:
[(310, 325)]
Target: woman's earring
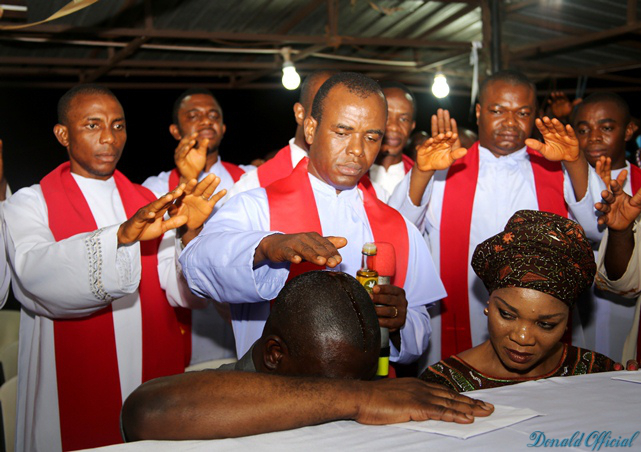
[(486, 311)]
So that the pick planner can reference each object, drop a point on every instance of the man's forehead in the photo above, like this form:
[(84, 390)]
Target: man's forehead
[(394, 92), (499, 92), (195, 101), (89, 104), (600, 111), (341, 101)]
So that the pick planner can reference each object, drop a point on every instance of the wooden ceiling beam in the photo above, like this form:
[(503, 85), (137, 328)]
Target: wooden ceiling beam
[(68, 32), (565, 44), (121, 55)]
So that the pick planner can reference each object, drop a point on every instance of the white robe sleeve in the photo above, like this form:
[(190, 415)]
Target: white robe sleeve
[(247, 181), (159, 183), (400, 200), (629, 285), (70, 278), (583, 211), (218, 263), (422, 287), (171, 276), (5, 274)]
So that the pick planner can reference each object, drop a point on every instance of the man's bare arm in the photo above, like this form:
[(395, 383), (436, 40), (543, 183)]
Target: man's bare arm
[(220, 404)]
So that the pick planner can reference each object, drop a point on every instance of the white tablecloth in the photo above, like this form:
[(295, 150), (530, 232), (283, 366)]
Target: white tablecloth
[(583, 404)]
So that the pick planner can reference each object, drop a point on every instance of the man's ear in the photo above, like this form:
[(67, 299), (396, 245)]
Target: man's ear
[(478, 112), (310, 129), (175, 132), (62, 134), (299, 113), (630, 130), (274, 351)]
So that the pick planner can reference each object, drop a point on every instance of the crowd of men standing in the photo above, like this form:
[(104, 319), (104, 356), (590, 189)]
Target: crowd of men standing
[(121, 283)]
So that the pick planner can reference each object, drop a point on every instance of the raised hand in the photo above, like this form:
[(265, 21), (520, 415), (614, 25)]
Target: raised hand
[(295, 248), (148, 223), (604, 169), (561, 144), (561, 105), (619, 209), (442, 123), (191, 156), (438, 153), (197, 204)]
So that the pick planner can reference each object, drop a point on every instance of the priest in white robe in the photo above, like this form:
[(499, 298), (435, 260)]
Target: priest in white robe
[(243, 257), (97, 281), (467, 201), (198, 126)]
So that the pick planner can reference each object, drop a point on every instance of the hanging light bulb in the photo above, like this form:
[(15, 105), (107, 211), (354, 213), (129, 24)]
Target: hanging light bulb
[(440, 88), (291, 79)]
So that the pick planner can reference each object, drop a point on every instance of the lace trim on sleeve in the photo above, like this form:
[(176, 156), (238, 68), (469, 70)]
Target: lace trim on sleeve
[(94, 254)]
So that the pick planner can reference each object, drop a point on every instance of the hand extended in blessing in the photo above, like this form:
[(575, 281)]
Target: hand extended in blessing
[(148, 223), (197, 203), (190, 156), (442, 123), (603, 168), (561, 144), (619, 209), (295, 248), (438, 153)]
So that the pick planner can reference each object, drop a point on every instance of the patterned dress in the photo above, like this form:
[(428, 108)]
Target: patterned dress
[(460, 376)]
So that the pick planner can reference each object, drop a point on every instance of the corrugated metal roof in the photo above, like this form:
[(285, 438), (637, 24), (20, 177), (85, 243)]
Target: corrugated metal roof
[(185, 40)]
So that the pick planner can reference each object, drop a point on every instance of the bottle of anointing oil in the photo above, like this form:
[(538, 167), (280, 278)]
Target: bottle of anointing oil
[(368, 277)]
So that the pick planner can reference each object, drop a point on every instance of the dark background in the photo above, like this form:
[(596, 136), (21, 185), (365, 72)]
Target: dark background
[(258, 121)]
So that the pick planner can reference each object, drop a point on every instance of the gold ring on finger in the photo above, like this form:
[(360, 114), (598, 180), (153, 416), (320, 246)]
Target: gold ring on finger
[(395, 312)]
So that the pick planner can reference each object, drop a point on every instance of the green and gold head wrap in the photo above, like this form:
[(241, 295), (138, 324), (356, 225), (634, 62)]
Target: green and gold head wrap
[(537, 250)]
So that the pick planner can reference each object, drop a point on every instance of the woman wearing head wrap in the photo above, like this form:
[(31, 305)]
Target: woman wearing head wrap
[(534, 271)]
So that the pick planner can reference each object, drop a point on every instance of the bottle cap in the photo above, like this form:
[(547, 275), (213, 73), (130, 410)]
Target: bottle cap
[(369, 249)]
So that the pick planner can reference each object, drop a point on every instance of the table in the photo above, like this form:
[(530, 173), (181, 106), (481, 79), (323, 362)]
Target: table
[(584, 404)]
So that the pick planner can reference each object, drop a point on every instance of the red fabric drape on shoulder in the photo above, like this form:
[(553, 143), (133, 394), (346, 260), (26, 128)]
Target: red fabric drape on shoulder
[(456, 218), (89, 395)]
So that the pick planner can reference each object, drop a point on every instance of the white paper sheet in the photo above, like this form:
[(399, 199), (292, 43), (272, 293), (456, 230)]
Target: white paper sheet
[(503, 416), (633, 377)]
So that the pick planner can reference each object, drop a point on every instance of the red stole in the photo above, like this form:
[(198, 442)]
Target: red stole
[(456, 219), (408, 163), (89, 396), (276, 168), (635, 181), (234, 171), (292, 209)]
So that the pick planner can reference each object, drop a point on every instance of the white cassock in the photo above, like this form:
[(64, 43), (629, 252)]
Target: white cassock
[(219, 263), (52, 281), (608, 317), (211, 336), (505, 185), (388, 178), (629, 285), (5, 273)]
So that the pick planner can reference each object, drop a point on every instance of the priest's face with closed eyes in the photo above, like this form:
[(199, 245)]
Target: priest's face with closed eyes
[(346, 139), (94, 134)]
